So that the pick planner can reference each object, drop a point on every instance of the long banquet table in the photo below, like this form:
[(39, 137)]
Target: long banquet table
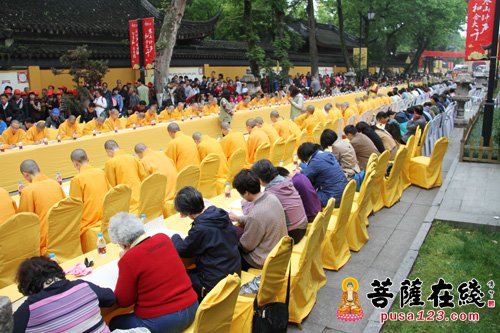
[(55, 157), (105, 267)]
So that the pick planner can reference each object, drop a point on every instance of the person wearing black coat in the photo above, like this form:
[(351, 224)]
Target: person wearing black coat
[(211, 241), (9, 110)]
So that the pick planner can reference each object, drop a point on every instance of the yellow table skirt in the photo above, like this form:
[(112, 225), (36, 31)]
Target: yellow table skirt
[(55, 157)]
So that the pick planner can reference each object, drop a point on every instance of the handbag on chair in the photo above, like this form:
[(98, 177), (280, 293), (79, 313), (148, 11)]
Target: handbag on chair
[(272, 317)]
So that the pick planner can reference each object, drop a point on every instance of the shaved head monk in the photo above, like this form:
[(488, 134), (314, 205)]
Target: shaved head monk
[(255, 139), (208, 145), (97, 125), (36, 134), (124, 169), (69, 129), (181, 149), (232, 140), (13, 135), (156, 161), (113, 122), (281, 126), (271, 133), (89, 185), (39, 196)]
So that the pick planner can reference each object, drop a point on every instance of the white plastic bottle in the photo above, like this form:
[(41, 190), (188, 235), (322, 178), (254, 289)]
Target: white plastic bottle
[(282, 163), (143, 218), (227, 190), (101, 244)]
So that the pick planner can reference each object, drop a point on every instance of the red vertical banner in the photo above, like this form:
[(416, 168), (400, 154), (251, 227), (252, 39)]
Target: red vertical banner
[(148, 32), (133, 28), (479, 28)]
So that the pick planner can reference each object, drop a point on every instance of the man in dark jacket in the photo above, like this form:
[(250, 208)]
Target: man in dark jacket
[(211, 241), (9, 110)]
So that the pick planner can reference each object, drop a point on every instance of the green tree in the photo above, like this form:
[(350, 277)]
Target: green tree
[(313, 48)]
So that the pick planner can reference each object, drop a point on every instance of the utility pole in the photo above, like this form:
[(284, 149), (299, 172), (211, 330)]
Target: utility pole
[(489, 106)]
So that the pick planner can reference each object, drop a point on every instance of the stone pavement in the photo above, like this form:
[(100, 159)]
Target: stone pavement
[(395, 237)]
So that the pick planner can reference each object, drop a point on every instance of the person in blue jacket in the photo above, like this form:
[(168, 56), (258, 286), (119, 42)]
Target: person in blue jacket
[(324, 172), (211, 241)]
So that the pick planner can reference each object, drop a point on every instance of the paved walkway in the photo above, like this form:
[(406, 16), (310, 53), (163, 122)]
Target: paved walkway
[(392, 234)]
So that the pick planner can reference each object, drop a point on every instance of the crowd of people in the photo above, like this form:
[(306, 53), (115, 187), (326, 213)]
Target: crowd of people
[(275, 203)]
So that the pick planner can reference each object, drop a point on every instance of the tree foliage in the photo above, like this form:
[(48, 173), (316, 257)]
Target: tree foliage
[(82, 67)]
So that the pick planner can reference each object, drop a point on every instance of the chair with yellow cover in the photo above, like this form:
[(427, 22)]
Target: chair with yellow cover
[(115, 201), (209, 168), (426, 171), (189, 176), (377, 200), (290, 143), (19, 240), (277, 151), (236, 163), (405, 179), (63, 223), (418, 135), (303, 287), (152, 196), (316, 133), (272, 285), (420, 143), (317, 271), (215, 312), (391, 187), (302, 138), (357, 235), (262, 152), (335, 249)]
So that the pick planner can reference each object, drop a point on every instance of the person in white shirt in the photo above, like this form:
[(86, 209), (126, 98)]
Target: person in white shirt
[(100, 102)]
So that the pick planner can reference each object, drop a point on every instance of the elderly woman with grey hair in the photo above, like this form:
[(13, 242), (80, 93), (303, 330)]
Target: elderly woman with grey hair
[(152, 278)]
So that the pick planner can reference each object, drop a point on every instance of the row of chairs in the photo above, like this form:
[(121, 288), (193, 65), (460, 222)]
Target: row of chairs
[(329, 240)]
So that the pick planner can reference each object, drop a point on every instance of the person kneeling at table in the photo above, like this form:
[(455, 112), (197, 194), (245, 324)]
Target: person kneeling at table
[(54, 301), (283, 189), (211, 241), (152, 277), (264, 225)]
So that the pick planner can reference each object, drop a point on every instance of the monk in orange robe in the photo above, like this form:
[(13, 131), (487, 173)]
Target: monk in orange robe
[(38, 133), (151, 117), (309, 122), (208, 145), (244, 104), (232, 140), (158, 162), (271, 133), (124, 169), (137, 120), (69, 129), (13, 135), (90, 185), (181, 149), (8, 207), (97, 125), (281, 126), (255, 139), (38, 197), (113, 122)]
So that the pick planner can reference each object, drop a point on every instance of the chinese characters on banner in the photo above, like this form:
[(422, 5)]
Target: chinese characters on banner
[(133, 28), (148, 31), (479, 28)]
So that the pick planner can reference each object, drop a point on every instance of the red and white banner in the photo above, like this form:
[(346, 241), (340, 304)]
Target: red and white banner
[(479, 28), (133, 29), (148, 33)]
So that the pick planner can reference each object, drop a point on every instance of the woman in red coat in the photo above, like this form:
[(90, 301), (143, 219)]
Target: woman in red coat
[(152, 277)]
